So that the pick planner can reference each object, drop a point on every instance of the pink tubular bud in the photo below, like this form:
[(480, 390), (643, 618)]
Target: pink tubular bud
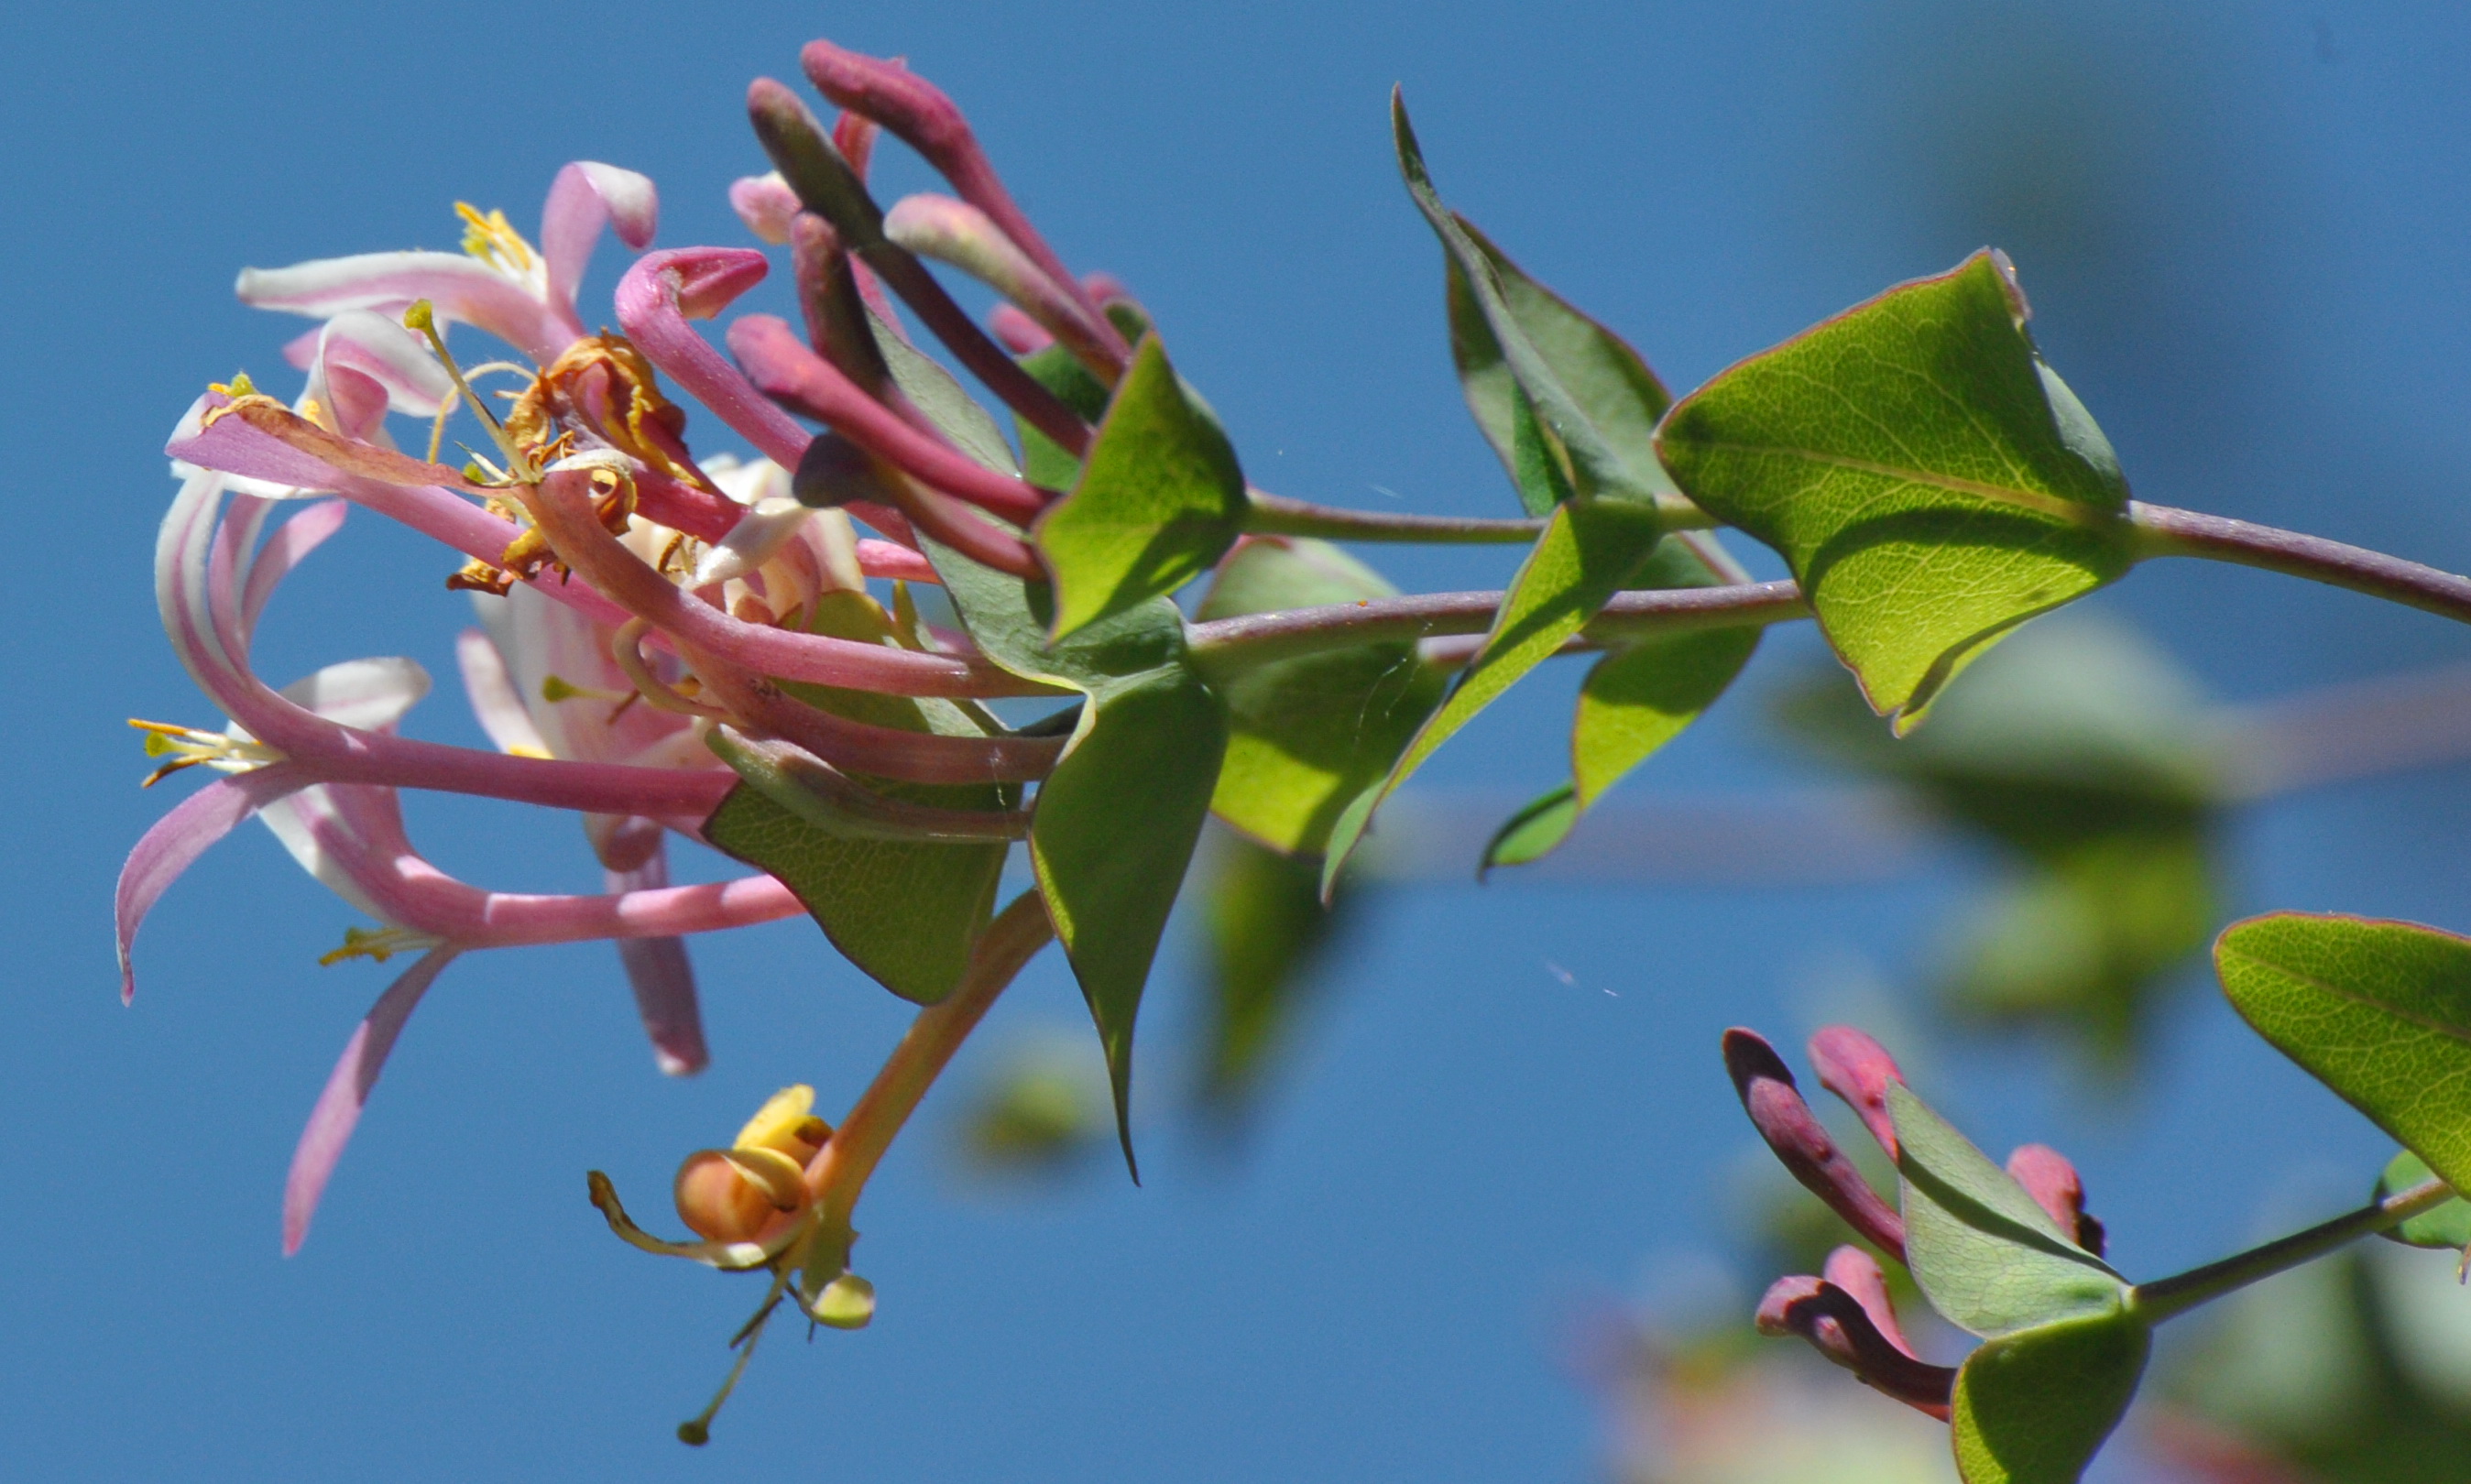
[(1021, 334), (854, 137), (784, 369), (766, 203), (835, 310), (927, 121), (960, 235), (1841, 1329), (2048, 1176), (1858, 1274), (1795, 1134), (1858, 1069)]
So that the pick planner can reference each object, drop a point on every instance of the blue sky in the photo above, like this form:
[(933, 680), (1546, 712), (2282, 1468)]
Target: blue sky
[(2243, 229)]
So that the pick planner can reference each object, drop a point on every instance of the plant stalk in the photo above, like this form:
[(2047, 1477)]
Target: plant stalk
[(2166, 1297), (2163, 531), (1225, 646), (840, 1171)]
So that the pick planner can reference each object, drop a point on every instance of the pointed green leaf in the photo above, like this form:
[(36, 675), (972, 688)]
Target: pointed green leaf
[(1642, 697), (1596, 465), (1115, 822), (936, 392), (2378, 1011), (1160, 499), (2033, 1407), (1633, 701), (1930, 480), (1588, 549), (1990, 1260), (1267, 932), (1538, 829), (1044, 462), (2448, 1226), (1604, 378), (907, 914), (1310, 734)]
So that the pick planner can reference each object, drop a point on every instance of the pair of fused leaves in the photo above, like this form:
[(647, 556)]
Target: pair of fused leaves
[(1114, 824), (1929, 479), (907, 912), (2062, 1350), (2378, 1011), (1572, 410), (2085, 756)]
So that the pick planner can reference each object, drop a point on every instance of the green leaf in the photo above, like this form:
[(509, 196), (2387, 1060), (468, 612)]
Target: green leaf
[(1931, 483), (1588, 549), (907, 914), (1115, 822), (1160, 499), (1632, 702), (1043, 462), (1538, 829), (935, 391), (1604, 377), (1596, 466), (2378, 1011), (1310, 734), (2448, 1226), (1268, 931), (2086, 939), (2033, 1407), (1990, 1260)]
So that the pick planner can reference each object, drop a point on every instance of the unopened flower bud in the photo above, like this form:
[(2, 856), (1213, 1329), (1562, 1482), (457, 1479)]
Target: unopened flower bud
[(2052, 1179), (1794, 1132), (733, 1194), (1858, 1069)]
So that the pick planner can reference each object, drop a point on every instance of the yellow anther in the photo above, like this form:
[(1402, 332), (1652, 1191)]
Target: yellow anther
[(240, 386), (187, 746), (377, 945), (494, 241)]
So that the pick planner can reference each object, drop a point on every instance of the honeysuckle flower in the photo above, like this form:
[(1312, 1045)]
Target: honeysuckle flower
[(649, 614), (499, 283)]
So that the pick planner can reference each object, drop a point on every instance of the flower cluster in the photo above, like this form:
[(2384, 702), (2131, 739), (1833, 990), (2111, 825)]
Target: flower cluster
[(645, 612)]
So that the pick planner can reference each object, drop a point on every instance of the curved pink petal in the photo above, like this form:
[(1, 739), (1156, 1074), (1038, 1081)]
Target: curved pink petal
[(292, 541), (499, 711), (462, 290), (347, 1091), (378, 346), (656, 298), (178, 838), (663, 981), (585, 196)]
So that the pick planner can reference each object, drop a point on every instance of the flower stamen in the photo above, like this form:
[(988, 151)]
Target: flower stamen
[(187, 746)]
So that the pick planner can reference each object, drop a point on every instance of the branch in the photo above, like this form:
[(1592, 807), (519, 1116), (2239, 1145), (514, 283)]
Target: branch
[(2163, 531), (842, 1169), (1225, 646), (1277, 515), (2166, 1297)]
